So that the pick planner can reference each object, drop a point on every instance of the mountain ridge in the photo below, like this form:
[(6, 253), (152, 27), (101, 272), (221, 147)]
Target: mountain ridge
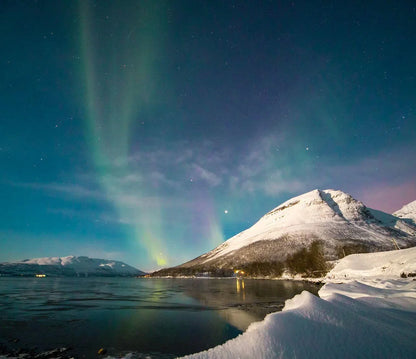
[(339, 222), (407, 213), (73, 266)]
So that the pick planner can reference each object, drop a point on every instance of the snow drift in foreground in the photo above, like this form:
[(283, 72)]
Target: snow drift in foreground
[(371, 315)]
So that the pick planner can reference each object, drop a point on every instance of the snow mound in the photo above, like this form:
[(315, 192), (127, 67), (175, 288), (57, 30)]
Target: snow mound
[(375, 265), (372, 318)]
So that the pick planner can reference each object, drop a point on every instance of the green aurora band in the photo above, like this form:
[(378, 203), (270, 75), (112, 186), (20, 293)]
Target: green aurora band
[(118, 66)]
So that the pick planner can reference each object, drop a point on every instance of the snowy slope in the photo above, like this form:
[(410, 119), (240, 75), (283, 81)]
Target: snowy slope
[(70, 266), (375, 318), (375, 265), (309, 212), (407, 212), (333, 217)]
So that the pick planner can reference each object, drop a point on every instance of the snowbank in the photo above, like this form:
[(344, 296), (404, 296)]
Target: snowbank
[(375, 265), (372, 317)]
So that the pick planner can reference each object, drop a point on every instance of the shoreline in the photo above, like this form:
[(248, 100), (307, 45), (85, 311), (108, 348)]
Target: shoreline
[(352, 303), (366, 308), (320, 280)]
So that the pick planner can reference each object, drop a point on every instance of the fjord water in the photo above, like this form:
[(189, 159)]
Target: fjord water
[(156, 317)]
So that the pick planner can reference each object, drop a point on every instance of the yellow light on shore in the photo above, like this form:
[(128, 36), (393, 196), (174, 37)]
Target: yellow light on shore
[(40, 275)]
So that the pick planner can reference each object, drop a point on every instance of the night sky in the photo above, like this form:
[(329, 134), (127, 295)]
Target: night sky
[(151, 131)]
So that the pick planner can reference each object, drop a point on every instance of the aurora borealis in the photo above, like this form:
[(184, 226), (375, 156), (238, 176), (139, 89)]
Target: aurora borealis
[(151, 131), (118, 89)]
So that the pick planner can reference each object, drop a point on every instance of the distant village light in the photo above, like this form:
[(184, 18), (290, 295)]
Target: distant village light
[(239, 272)]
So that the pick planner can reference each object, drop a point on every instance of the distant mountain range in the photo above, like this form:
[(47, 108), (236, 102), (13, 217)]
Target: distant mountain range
[(70, 266), (302, 234)]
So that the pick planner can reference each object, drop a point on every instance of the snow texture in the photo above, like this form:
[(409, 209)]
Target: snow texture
[(326, 214), (70, 265), (407, 212), (371, 315), (381, 265)]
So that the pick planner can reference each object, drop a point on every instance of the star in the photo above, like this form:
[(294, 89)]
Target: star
[(226, 211)]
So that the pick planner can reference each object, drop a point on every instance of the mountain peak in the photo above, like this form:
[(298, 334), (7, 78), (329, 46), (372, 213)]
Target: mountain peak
[(317, 206), (407, 212), (333, 217)]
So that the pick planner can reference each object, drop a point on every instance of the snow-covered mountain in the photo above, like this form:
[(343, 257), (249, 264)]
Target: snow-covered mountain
[(340, 223), (407, 213), (68, 266)]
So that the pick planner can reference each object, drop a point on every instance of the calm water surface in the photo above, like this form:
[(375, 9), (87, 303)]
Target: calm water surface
[(160, 317)]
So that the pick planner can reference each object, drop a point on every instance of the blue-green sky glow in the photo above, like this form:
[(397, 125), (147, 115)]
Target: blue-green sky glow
[(151, 131)]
